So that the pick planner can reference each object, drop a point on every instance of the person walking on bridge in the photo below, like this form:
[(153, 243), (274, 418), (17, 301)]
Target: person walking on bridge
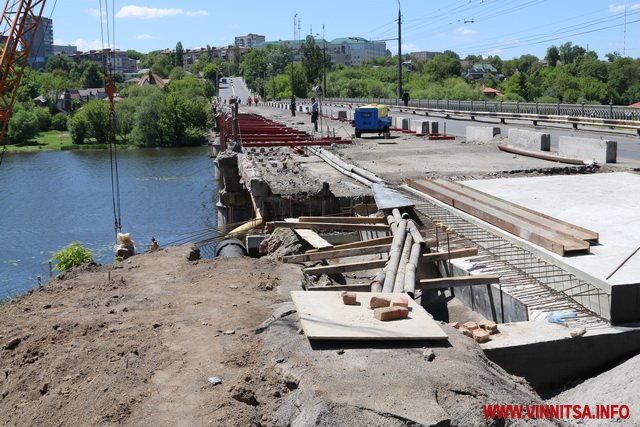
[(406, 98), (249, 100), (293, 105), (314, 113)]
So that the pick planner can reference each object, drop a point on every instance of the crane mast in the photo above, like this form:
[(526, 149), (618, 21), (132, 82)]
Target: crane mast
[(19, 22)]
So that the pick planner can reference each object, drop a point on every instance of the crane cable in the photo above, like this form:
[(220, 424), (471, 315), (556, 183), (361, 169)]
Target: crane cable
[(110, 89)]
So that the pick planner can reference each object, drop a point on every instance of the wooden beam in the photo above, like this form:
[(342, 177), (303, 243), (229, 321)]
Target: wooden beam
[(314, 239), (344, 220), (348, 288), (459, 281), (315, 256), (520, 211), (360, 244), (554, 241), (327, 226), (453, 254), (345, 268)]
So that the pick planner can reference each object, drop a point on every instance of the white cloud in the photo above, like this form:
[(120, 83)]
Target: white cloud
[(82, 44), (198, 13), (463, 33), (144, 36), (143, 12), (618, 8), (409, 47), (93, 12)]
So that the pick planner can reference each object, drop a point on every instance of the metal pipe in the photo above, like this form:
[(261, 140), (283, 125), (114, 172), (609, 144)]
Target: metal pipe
[(398, 284), (394, 256), (410, 269)]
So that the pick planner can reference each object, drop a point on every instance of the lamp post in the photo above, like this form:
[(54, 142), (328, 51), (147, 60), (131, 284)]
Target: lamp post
[(324, 65), (399, 54)]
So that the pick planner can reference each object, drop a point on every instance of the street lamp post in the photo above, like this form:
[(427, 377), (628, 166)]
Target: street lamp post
[(399, 54), (324, 65)]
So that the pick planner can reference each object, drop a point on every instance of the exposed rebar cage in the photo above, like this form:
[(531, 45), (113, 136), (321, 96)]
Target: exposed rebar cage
[(542, 286)]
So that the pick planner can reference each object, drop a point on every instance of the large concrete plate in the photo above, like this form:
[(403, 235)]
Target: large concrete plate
[(325, 317), (388, 198)]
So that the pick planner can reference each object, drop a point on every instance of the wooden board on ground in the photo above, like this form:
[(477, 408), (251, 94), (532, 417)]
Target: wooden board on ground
[(313, 238), (324, 317)]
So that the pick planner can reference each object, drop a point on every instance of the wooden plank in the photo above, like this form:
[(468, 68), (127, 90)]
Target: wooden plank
[(453, 254), (327, 226), (344, 220), (315, 256), (348, 288), (360, 244), (554, 241), (459, 281), (346, 268), (521, 211), (314, 239), (323, 316)]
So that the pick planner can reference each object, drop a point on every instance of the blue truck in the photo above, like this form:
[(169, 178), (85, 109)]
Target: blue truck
[(372, 118)]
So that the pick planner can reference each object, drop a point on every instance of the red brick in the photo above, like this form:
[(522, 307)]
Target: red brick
[(349, 298), (455, 325), (489, 326), (377, 302), (470, 325), (480, 335), (400, 302), (390, 313)]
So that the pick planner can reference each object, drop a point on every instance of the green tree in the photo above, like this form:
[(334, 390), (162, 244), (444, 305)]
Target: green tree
[(177, 73), (134, 54), (59, 121), (312, 60), (23, 125), (179, 55), (60, 62), (552, 56), (254, 67), (100, 126), (92, 77), (444, 66), (78, 128)]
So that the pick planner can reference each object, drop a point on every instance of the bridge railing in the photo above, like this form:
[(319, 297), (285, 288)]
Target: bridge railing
[(610, 112)]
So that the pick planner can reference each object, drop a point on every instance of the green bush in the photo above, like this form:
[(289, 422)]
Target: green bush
[(78, 127), (59, 122), (71, 256)]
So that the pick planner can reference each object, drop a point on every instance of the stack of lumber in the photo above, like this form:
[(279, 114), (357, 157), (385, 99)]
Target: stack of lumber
[(550, 233), (403, 252)]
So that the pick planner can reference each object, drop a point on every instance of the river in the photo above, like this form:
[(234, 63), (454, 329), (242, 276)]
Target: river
[(49, 199)]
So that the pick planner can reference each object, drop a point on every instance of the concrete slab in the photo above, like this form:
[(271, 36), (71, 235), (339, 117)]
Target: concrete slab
[(324, 316), (606, 203), (545, 354)]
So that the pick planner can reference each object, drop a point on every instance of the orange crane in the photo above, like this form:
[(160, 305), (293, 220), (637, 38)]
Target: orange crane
[(19, 22)]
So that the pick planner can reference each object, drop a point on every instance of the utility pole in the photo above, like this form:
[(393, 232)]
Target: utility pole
[(293, 57), (399, 54), (324, 65), (624, 44)]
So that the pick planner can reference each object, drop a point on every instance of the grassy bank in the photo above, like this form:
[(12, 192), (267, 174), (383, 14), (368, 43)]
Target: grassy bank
[(53, 140)]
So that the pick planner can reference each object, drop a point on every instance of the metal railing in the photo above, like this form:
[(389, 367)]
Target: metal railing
[(610, 111)]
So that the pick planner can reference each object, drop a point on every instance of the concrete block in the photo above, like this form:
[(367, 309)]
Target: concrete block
[(529, 140), (398, 122), (597, 150), (433, 127), (342, 114), (481, 134), (406, 124), (420, 126)]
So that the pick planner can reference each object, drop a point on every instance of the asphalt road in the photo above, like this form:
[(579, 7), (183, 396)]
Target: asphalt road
[(235, 87), (628, 141)]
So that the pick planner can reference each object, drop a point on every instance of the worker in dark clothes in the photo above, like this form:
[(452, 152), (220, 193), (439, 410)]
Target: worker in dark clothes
[(406, 98), (314, 113), (293, 105)]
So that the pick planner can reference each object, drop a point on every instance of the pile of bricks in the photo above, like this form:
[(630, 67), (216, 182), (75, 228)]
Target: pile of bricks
[(384, 309), (480, 332)]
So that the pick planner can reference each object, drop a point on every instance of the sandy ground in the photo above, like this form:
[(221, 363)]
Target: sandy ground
[(135, 344)]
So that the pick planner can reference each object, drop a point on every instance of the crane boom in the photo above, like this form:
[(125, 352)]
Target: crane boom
[(19, 22)]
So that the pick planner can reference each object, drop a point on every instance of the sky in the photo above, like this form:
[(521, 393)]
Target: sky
[(508, 28)]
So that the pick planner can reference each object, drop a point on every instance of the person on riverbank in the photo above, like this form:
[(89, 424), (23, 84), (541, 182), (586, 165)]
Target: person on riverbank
[(155, 247), (293, 105), (314, 113)]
